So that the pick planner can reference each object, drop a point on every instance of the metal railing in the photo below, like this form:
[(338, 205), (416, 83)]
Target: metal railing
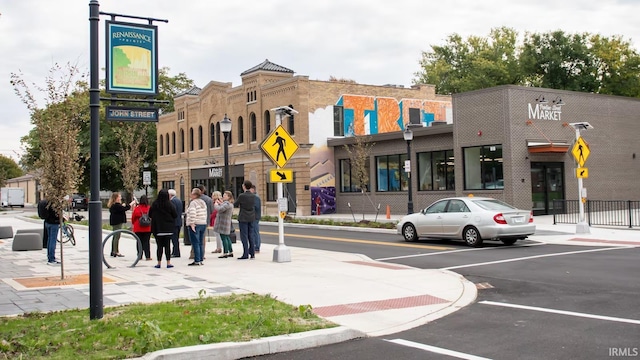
[(598, 212)]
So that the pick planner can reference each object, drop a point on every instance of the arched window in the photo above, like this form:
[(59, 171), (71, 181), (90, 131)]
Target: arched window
[(190, 139), (181, 140), (254, 127), (212, 135), (267, 123), (218, 141), (200, 145), (240, 130), (161, 145), (167, 141)]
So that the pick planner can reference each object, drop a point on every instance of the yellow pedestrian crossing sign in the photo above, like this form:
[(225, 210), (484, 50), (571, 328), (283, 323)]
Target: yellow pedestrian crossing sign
[(580, 151), (279, 146), (582, 173)]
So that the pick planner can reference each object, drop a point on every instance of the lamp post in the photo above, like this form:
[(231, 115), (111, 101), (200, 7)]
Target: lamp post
[(408, 136), (225, 127), (146, 178)]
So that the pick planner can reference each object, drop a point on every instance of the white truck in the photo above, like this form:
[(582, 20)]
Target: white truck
[(11, 197)]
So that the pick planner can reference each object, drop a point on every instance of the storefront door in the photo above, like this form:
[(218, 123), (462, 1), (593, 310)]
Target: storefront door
[(547, 184)]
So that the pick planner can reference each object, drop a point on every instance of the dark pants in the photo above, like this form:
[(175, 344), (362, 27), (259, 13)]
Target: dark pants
[(246, 236), (175, 240), (163, 245), (145, 238)]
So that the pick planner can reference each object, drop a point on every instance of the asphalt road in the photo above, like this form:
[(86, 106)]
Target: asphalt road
[(535, 301)]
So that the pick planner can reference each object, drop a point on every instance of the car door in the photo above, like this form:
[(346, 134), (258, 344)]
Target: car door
[(455, 218), (431, 223)]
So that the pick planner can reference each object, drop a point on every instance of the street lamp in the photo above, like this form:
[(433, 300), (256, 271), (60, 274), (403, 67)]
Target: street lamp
[(582, 227), (408, 136), (225, 127)]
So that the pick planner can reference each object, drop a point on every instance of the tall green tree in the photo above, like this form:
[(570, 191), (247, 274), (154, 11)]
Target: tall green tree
[(9, 169)]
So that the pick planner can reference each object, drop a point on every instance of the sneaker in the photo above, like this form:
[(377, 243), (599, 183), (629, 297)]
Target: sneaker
[(157, 266), (194, 264), (169, 266), (201, 263), (53, 263)]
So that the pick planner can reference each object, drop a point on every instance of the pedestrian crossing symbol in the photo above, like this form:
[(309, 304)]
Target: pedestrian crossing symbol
[(580, 151), (279, 146)]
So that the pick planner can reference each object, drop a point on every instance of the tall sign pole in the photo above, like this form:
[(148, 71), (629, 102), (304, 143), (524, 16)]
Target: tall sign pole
[(581, 152), (96, 306)]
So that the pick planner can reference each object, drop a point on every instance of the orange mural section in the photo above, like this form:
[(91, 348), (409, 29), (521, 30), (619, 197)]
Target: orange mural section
[(388, 115), (437, 108), (359, 104)]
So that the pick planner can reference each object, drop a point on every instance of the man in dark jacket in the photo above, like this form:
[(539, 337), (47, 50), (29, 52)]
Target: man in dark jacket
[(42, 214), (256, 224), (175, 239), (52, 226), (247, 215)]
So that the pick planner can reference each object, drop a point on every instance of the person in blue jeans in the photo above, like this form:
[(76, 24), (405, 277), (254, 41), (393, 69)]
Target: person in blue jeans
[(52, 224), (256, 224), (197, 223)]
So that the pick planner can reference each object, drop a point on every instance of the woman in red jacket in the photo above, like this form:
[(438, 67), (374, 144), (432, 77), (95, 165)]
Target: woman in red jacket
[(143, 231)]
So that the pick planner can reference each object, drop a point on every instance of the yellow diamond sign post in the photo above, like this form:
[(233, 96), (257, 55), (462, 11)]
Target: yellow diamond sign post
[(279, 146), (580, 151)]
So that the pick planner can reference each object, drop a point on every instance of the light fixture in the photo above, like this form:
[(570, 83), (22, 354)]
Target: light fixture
[(558, 101), (541, 99), (225, 127)]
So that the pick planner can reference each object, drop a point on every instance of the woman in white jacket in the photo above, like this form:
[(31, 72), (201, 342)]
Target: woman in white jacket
[(197, 223)]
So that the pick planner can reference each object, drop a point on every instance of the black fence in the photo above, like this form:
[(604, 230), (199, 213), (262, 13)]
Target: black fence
[(598, 212)]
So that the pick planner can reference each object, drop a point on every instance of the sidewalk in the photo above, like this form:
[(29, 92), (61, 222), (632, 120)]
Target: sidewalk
[(365, 297)]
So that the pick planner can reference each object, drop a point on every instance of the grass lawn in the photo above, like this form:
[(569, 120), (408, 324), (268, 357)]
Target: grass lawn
[(134, 330)]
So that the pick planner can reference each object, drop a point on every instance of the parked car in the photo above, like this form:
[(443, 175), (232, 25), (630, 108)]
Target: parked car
[(79, 202), (472, 219)]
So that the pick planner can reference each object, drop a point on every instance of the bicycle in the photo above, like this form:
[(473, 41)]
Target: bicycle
[(67, 233)]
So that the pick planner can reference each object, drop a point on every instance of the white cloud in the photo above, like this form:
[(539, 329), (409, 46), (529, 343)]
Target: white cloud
[(373, 42)]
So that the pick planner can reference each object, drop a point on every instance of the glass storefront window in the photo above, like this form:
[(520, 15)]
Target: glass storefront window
[(483, 168)]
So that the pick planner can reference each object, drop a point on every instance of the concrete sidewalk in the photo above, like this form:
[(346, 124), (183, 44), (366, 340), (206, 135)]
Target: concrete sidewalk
[(365, 297)]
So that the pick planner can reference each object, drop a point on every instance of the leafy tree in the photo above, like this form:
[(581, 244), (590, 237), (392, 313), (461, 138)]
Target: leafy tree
[(8, 169), (359, 155), (57, 126)]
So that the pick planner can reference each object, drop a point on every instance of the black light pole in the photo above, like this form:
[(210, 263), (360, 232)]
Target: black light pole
[(225, 127), (408, 136)]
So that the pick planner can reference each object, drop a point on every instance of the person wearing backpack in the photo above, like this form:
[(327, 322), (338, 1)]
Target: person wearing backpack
[(142, 225)]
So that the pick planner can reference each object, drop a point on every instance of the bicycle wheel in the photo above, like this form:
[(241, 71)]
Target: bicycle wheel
[(68, 235)]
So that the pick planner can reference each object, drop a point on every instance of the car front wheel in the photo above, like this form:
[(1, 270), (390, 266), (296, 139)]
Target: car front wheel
[(409, 233), (472, 237)]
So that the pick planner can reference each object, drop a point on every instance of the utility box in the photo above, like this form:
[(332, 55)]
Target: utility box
[(12, 197)]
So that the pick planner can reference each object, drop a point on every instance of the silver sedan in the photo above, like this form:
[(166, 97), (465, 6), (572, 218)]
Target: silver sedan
[(472, 219)]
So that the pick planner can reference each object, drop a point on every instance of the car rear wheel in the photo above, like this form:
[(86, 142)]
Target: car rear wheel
[(409, 233), (472, 237), (509, 241)]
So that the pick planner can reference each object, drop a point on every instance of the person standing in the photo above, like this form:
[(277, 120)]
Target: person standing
[(117, 218), (246, 216), (216, 195), (256, 224), (175, 239), (197, 223), (142, 231), (163, 218), (42, 214), (222, 226), (52, 224), (207, 200)]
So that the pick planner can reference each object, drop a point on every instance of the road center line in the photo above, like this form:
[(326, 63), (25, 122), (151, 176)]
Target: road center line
[(534, 257), (562, 312), (436, 350), (370, 242)]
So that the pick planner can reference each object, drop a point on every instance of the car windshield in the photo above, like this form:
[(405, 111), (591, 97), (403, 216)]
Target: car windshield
[(493, 204)]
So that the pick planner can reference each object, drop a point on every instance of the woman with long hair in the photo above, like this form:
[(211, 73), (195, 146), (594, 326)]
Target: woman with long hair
[(117, 218), (163, 217), (142, 231)]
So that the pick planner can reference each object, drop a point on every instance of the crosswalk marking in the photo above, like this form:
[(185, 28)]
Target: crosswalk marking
[(437, 350)]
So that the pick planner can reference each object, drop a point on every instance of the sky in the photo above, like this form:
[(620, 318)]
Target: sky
[(373, 42)]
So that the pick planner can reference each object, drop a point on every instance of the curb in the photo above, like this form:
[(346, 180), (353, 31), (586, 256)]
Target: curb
[(266, 346)]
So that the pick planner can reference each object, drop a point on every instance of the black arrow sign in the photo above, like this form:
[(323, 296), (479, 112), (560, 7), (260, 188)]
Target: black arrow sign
[(283, 176), (582, 173)]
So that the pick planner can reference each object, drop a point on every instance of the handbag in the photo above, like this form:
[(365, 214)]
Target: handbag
[(232, 234)]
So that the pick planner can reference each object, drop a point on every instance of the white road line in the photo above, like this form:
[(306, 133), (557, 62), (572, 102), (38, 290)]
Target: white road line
[(563, 312), (534, 257), (457, 251), (436, 349)]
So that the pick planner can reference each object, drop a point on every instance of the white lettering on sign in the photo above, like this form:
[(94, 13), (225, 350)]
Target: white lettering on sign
[(545, 112), (215, 172)]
